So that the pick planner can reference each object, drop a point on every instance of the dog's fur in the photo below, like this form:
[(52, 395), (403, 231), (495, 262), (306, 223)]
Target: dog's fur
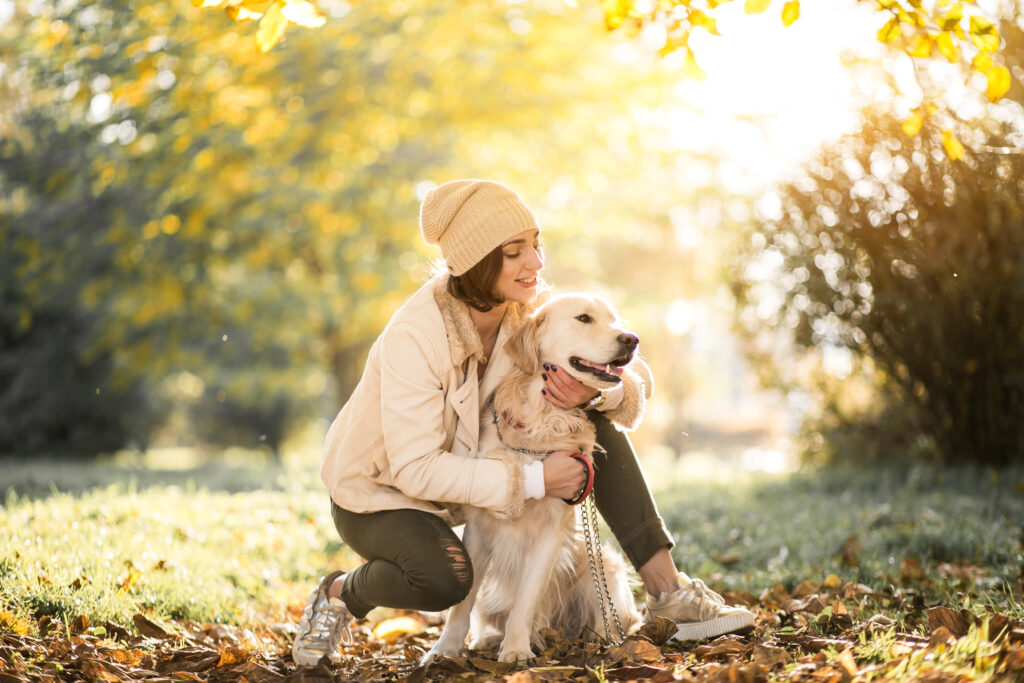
[(532, 572)]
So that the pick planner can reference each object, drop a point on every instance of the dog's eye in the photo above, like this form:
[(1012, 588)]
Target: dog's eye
[(584, 318)]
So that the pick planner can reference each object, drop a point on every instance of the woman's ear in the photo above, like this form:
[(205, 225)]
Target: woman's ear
[(524, 347)]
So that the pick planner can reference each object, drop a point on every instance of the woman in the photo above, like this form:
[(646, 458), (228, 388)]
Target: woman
[(400, 457)]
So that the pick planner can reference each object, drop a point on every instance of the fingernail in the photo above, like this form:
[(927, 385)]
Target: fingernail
[(544, 391), (554, 368), (544, 376), (546, 367)]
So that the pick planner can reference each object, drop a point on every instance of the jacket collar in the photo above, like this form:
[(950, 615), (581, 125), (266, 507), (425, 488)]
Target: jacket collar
[(463, 338)]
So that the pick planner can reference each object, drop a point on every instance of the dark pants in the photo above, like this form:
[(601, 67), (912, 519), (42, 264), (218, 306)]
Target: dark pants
[(415, 560)]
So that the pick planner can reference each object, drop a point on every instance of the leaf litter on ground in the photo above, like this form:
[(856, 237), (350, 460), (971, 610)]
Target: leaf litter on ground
[(833, 631)]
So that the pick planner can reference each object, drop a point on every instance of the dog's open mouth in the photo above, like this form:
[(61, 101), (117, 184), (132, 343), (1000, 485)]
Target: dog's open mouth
[(607, 372)]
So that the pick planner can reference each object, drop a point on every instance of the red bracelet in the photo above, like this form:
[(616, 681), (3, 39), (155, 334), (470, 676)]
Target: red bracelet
[(589, 486)]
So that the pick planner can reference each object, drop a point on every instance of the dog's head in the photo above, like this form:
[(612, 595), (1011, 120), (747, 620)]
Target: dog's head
[(579, 333)]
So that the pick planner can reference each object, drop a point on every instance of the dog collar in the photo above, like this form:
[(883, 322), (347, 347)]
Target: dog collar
[(589, 486)]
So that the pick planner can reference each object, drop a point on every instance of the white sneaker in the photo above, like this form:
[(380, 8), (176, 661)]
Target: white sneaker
[(323, 628), (699, 611)]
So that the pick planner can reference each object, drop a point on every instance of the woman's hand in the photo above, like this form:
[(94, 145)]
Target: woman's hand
[(563, 390), (564, 475)]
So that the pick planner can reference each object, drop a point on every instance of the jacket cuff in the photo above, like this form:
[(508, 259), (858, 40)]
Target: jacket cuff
[(516, 500)]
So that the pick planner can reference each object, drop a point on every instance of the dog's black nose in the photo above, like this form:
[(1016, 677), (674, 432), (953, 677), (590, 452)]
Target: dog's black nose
[(629, 341)]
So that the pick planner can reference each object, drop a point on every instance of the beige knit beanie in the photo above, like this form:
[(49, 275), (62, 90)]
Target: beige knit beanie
[(470, 218)]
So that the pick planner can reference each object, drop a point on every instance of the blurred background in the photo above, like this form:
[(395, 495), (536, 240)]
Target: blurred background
[(201, 240)]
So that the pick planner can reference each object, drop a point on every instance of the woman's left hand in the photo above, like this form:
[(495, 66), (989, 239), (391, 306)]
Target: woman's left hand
[(564, 391)]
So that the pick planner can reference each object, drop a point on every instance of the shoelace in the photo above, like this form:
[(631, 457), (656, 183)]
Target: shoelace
[(325, 622), (707, 600)]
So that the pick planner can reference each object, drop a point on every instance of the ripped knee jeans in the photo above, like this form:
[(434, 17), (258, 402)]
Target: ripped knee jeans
[(414, 561)]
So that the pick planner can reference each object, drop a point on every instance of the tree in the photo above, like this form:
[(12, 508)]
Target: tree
[(914, 265), (259, 226)]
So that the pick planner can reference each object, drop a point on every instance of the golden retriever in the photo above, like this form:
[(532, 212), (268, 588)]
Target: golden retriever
[(533, 572)]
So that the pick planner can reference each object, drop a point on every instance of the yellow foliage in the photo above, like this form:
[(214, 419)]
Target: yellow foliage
[(151, 229), (615, 12), (954, 149), (790, 12), (982, 62), (889, 32), (947, 47), (984, 34), (709, 24), (271, 27), (998, 83), (691, 68), (912, 126), (756, 6), (303, 13), (921, 47)]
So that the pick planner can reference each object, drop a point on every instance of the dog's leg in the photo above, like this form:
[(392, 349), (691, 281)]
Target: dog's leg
[(536, 575), (453, 636)]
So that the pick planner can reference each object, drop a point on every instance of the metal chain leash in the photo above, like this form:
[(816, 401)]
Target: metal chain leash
[(588, 513)]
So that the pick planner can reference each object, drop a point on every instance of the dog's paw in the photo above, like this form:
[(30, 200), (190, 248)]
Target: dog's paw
[(515, 654), (439, 651)]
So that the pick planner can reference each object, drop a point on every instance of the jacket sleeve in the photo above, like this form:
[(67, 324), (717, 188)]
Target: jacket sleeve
[(637, 386), (413, 419)]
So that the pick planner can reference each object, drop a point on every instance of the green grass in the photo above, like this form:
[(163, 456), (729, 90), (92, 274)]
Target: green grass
[(185, 550), (750, 531), (242, 543)]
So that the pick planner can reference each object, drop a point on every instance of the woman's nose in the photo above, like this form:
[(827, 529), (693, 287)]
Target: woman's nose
[(537, 261)]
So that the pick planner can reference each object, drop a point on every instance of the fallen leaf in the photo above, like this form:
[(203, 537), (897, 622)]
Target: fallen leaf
[(910, 569), (491, 666), (1014, 659), (847, 663), (79, 624), (658, 630), (940, 636), (641, 650), (396, 627), (953, 621), (851, 548), (256, 673), (148, 628), (232, 655)]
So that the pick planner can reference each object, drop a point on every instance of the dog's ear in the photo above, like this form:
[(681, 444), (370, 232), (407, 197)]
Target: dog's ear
[(524, 345)]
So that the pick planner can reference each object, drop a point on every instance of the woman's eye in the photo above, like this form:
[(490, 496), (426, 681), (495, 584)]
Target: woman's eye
[(584, 318), (513, 255)]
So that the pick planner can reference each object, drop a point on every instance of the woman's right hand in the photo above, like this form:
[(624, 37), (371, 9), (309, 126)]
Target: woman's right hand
[(564, 475)]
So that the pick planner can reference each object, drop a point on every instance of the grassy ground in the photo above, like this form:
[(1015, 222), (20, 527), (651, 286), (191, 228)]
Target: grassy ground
[(242, 544)]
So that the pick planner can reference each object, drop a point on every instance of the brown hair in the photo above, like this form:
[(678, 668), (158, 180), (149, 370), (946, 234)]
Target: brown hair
[(476, 286)]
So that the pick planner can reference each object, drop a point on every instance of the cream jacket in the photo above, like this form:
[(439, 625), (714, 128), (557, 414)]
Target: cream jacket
[(408, 435)]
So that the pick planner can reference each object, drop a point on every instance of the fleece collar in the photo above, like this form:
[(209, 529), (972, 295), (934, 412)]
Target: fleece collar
[(463, 338)]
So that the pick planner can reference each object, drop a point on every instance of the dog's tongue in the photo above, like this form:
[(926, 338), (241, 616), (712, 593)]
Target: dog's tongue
[(613, 370)]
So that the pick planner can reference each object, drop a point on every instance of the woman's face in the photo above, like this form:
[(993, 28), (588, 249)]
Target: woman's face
[(522, 261)]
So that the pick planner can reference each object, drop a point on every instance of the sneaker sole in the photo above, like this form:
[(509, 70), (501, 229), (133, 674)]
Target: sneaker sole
[(701, 630)]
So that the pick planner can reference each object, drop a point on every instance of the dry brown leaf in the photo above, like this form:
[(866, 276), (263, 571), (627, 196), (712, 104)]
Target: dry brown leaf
[(806, 588), (658, 630), (940, 636), (148, 628), (847, 662), (232, 655), (910, 569), (1013, 660), (256, 673), (641, 650), (954, 621), (491, 666), (79, 624), (768, 656)]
